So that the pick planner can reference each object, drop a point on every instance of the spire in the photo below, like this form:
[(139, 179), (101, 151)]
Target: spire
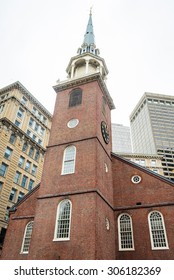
[(89, 35), (88, 45)]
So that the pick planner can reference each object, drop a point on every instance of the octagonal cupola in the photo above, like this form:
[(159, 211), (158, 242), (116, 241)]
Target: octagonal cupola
[(88, 60)]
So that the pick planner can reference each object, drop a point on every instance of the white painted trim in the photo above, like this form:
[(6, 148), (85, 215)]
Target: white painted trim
[(119, 236), (56, 224), (73, 171), (150, 232), (23, 241)]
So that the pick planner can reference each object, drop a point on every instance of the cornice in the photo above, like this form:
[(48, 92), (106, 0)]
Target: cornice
[(132, 155), (83, 80), (21, 133), (27, 109), (19, 86)]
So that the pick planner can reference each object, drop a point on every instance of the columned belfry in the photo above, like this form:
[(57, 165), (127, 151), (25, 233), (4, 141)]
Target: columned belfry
[(88, 60)]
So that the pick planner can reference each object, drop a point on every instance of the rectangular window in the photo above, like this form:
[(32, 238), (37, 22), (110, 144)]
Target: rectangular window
[(155, 170), (25, 147), (30, 185), (36, 156), (21, 161), (153, 162), (17, 177), (12, 138), (36, 127), (39, 115), (28, 165), (31, 152), (142, 162), (20, 113), (8, 153), (3, 169), (39, 141), (34, 110), (28, 132), (44, 120), (12, 195), (24, 181), (34, 170), (31, 122), (42, 130), (6, 217), (20, 196), (24, 100), (17, 123)]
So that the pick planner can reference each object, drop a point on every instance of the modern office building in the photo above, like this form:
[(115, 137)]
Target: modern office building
[(91, 204), (24, 133), (152, 131), (121, 140)]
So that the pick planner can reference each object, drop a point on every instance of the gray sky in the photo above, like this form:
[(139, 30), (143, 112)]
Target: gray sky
[(135, 37)]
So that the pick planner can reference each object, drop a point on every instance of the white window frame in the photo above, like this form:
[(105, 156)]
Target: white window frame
[(164, 231), (119, 233), (58, 219), (24, 238), (64, 172)]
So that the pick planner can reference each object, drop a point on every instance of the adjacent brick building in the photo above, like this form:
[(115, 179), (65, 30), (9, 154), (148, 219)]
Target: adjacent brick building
[(91, 203)]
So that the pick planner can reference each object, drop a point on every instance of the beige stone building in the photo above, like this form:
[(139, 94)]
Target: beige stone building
[(24, 133), (151, 162)]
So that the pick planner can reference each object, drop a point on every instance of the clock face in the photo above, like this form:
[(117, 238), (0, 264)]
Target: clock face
[(105, 132)]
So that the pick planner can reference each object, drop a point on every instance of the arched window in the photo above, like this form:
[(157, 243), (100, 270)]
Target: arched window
[(27, 238), (125, 233), (75, 97), (63, 220), (68, 166), (157, 231)]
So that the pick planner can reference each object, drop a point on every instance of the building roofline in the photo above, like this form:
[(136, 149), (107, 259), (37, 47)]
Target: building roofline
[(149, 95), (26, 196), (5, 120), (139, 155), (18, 85), (144, 169)]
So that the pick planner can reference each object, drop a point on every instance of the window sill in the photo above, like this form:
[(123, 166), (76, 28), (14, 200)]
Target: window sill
[(128, 249), (61, 239), (160, 248)]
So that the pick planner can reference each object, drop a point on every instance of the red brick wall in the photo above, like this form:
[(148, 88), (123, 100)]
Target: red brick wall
[(18, 220), (151, 192), (141, 235), (82, 236)]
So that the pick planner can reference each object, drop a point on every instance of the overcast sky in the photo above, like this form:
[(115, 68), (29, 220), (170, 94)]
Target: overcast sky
[(135, 37)]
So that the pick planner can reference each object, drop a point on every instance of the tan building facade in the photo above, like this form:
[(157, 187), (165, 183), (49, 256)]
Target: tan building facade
[(24, 133), (151, 162)]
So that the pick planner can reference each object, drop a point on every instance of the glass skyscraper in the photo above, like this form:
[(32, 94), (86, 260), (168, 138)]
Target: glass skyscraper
[(152, 128), (121, 140)]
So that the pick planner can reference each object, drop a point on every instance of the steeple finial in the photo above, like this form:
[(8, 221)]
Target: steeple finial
[(88, 45)]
